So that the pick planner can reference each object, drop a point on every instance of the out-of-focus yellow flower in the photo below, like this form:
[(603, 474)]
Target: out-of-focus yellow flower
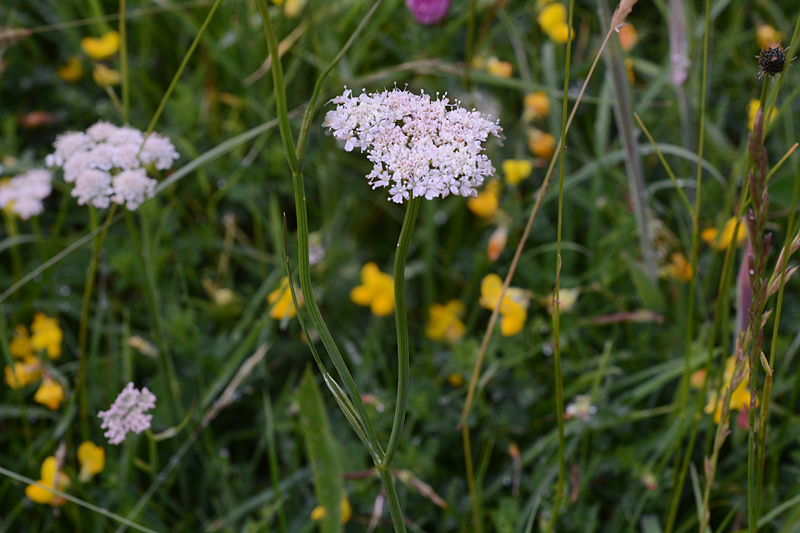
[(553, 21), (20, 345), (92, 459), (455, 379), (679, 268), (501, 69), (281, 300), (376, 291), (50, 394), (105, 77), (444, 323), (512, 307), (752, 109), (541, 144), (537, 106), (516, 170), (567, 298), (768, 36), (487, 202), (628, 37), (740, 397), (102, 48), (51, 477), (71, 71), (27, 372), (697, 379), (344, 514), (291, 8), (497, 243), (541, 3), (629, 70), (46, 335), (709, 235)]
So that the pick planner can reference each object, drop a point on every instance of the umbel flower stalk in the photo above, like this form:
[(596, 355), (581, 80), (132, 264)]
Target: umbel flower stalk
[(418, 147)]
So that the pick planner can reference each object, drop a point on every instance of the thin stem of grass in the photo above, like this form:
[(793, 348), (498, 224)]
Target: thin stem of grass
[(87, 298), (401, 321), (123, 60), (680, 475)]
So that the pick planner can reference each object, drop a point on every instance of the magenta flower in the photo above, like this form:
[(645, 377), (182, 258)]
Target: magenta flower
[(428, 12)]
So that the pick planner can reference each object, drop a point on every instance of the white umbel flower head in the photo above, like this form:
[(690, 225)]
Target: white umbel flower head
[(107, 163), (24, 194), (418, 146), (126, 414)]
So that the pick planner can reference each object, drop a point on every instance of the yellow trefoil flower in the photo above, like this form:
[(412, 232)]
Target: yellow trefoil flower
[(553, 21), (501, 69), (487, 202), (541, 144), (679, 268), (105, 77), (376, 291), (46, 335), (516, 170), (50, 394), (710, 235), (512, 308), (72, 71), (102, 48), (567, 298), (537, 106), (344, 514), (20, 345), (740, 397), (92, 459), (281, 300), (768, 36), (444, 322), (51, 477), (752, 109), (27, 372)]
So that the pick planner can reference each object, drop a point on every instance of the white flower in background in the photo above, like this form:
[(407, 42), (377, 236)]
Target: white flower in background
[(106, 164), (24, 194), (127, 414), (418, 147)]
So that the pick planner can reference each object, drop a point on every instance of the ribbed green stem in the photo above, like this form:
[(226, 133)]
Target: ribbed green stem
[(392, 500), (401, 320)]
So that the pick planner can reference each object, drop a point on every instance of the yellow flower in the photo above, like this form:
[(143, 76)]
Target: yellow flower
[(740, 397), (281, 300), (567, 298), (551, 16), (376, 291), (455, 380), (444, 323), (697, 379), (92, 459), (50, 394), (512, 308), (27, 372), (752, 109), (560, 33), (344, 514), (516, 170), (628, 37), (486, 204), (629, 70), (541, 144), (105, 46), (767, 36), (291, 8), (709, 235), (20, 345), (46, 335), (51, 477), (679, 268), (537, 106), (105, 77), (72, 71), (501, 69)]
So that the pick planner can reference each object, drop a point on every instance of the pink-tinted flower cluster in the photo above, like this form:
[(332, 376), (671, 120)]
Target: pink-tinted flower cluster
[(107, 163), (428, 11), (418, 146), (24, 194), (127, 414)]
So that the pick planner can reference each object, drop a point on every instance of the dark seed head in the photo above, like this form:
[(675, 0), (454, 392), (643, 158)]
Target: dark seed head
[(771, 61)]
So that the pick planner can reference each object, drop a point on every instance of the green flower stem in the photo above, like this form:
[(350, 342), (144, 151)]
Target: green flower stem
[(12, 230), (392, 500), (123, 55), (87, 299), (401, 320)]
